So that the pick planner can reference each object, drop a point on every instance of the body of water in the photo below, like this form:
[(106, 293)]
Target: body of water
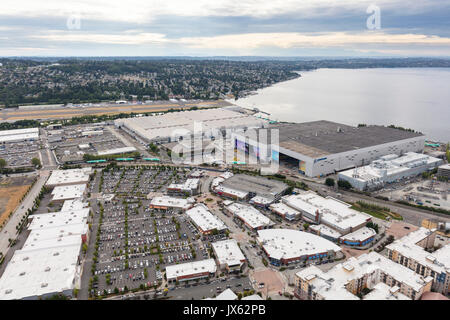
[(416, 98)]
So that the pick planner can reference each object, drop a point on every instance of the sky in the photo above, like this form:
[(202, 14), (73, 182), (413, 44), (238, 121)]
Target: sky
[(225, 28)]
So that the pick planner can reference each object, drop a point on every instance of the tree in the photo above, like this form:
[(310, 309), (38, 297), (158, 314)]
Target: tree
[(447, 152), (2, 163), (305, 226), (36, 162), (329, 182), (344, 184)]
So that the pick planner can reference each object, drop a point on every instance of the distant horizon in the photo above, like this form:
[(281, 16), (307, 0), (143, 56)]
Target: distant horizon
[(233, 56)]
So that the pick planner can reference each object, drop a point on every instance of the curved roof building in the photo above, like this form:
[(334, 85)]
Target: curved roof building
[(284, 246)]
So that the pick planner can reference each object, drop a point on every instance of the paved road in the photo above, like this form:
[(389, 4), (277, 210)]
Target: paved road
[(125, 140), (410, 214), (9, 231)]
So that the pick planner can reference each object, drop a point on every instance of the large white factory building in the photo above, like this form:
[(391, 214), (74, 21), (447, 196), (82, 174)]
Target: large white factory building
[(322, 147), (388, 169)]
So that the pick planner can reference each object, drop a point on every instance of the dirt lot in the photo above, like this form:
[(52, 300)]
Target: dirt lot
[(11, 192), (400, 229), (271, 279)]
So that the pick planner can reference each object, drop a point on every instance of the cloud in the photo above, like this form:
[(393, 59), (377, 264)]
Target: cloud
[(289, 40), (251, 40), (141, 11), (205, 26), (125, 38)]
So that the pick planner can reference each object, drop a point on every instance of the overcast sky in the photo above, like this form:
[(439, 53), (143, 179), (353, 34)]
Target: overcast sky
[(219, 27)]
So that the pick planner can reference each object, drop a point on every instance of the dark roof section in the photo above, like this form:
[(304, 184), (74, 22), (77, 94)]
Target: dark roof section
[(319, 138)]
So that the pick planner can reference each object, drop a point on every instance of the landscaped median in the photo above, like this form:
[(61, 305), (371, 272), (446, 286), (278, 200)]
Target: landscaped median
[(375, 210)]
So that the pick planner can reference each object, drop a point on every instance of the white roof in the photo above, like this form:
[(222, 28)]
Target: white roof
[(188, 185), (166, 125), (37, 272), (439, 261), (18, 131), (288, 243), (228, 294), (261, 200), (74, 204), (171, 202), (360, 234), (47, 262), (382, 291), (217, 181), (60, 219), (228, 252), (191, 268), (19, 137), (116, 151), (284, 209), (239, 194), (68, 192), (332, 284), (19, 134), (227, 202), (226, 175), (250, 215), (204, 219), (71, 176), (334, 213), (390, 165), (325, 230)]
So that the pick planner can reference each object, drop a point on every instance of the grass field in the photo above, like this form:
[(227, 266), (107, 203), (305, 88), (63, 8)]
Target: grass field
[(376, 211), (11, 192)]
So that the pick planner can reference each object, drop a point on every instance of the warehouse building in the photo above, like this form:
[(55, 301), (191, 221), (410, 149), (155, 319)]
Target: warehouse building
[(410, 252), (287, 246), (68, 192), (173, 126), (228, 255), (68, 177), (347, 281), (49, 261), (388, 169), (204, 220), (249, 216), (16, 135), (319, 148), (191, 270), (116, 151)]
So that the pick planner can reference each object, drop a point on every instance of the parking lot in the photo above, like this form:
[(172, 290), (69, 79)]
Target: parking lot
[(19, 154), (138, 182), (136, 242), (71, 142)]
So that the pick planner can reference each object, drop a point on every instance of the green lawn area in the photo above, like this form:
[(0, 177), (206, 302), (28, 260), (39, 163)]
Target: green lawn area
[(376, 211)]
